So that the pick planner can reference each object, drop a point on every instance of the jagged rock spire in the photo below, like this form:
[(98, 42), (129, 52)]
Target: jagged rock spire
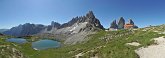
[(92, 20), (130, 22), (121, 23), (114, 25), (90, 15)]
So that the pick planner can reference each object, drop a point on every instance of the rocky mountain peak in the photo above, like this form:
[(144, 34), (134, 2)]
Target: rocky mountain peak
[(70, 23), (73, 31), (90, 15), (130, 22), (55, 24), (114, 25), (121, 23), (89, 19)]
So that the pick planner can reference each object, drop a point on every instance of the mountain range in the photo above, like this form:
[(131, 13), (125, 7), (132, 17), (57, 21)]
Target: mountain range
[(72, 32), (3, 30), (121, 24)]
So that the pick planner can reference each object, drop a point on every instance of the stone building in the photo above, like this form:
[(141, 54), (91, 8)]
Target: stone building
[(128, 26)]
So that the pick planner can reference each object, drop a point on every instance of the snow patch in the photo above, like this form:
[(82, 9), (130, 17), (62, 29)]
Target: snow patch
[(79, 55), (35, 48), (133, 44), (74, 27)]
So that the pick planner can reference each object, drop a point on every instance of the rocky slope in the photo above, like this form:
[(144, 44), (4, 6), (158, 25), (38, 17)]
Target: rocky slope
[(77, 29), (153, 51), (7, 51)]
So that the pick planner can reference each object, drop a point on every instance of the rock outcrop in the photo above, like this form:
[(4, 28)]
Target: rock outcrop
[(54, 25), (130, 22), (7, 51), (153, 51), (70, 23), (114, 25), (121, 23)]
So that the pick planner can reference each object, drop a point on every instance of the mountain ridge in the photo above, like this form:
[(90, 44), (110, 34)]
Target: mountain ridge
[(73, 31)]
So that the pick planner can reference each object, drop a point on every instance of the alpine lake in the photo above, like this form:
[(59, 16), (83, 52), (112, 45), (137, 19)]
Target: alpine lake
[(37, 45)]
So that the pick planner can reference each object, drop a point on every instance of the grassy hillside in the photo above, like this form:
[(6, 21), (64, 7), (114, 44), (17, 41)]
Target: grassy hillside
[(9, 50), (111, 44)]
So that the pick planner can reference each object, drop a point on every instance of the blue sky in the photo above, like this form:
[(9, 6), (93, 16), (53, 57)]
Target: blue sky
[(143, 12)]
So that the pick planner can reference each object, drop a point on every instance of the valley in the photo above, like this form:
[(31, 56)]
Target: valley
[(103, 44), (82, 37), (82, 29)]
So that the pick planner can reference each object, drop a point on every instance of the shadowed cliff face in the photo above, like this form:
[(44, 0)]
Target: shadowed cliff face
[(114, 25), (121, 23)]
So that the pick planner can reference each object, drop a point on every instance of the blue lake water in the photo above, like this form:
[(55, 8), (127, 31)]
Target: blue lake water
[(45, 44), (17, 40)]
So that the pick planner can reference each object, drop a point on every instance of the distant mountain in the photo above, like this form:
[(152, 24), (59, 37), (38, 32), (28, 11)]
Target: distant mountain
[(130, 22), (122, 24), (73, 31), (25, 29), (114, 25), (3, 30)]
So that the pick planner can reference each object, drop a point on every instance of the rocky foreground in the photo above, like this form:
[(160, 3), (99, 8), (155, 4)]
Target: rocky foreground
[(9, 50), (153, 51)]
